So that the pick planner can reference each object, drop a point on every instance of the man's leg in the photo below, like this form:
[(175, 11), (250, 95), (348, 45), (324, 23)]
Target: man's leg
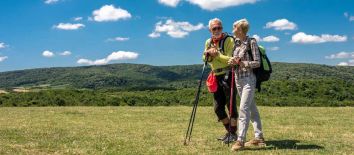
[(221, 99), (219, 108), (234, 113)]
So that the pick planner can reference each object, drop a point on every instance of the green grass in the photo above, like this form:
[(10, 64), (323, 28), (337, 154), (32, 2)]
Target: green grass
[(161, 130)]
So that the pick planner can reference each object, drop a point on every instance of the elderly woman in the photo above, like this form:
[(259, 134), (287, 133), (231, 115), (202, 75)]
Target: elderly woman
[(247, 57)]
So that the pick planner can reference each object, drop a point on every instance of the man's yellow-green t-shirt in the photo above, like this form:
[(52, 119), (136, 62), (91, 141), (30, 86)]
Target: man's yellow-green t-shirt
[(220, 61)]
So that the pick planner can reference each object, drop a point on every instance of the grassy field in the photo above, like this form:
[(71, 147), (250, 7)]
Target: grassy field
[(160, 130)]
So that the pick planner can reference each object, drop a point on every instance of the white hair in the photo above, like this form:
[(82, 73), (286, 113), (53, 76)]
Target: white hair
[(214, 20), (243, 24)]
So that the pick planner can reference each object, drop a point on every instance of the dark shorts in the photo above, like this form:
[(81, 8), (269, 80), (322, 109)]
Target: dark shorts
[(222, 97)]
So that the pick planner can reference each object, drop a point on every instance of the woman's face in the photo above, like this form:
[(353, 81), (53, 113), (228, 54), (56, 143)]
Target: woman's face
[(237, 31)]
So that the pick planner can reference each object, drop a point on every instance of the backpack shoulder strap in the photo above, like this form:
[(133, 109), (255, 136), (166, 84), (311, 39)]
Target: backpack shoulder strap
[(222, 42), (250, 49)]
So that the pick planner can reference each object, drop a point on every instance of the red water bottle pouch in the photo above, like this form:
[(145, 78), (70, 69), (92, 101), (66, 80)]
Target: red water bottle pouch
[(212, 82)]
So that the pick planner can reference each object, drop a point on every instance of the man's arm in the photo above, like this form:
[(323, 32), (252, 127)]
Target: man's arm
[(206, 46), (228, 50)]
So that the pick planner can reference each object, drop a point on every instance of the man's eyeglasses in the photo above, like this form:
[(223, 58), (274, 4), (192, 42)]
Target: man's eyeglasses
[(216, 28)]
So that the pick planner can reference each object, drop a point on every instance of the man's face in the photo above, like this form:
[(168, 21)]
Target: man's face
[(215, 29)]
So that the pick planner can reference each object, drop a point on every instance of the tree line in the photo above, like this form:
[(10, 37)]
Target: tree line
[(321, 92)]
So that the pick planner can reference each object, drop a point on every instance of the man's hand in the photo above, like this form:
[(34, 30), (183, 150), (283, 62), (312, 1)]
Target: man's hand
[(213, 52)]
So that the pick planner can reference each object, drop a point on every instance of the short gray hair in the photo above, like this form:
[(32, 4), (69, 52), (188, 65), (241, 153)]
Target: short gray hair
[(214, 20), (243, 24)]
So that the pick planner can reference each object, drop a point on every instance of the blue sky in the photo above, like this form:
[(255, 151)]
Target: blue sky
[(61, 33)]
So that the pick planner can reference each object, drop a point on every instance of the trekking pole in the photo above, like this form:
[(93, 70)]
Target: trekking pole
[(195, 104), (231, 102)]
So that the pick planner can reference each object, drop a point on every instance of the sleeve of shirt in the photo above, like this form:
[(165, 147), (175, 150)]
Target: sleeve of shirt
[(256, 57), (206, 48), (229, 49)]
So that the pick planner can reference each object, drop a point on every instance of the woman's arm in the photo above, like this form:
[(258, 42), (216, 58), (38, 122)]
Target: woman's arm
[(256, 57)]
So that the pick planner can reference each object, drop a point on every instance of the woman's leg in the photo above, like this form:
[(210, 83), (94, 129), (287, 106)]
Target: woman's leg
[(256, 120), (245, 105)]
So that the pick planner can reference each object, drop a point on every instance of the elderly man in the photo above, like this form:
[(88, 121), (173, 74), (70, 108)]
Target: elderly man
[(219, 49)]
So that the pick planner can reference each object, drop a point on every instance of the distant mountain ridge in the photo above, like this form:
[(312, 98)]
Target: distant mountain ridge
[(131, 76)]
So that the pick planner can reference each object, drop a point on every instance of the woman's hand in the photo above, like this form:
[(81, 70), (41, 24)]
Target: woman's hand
[(234, 61)]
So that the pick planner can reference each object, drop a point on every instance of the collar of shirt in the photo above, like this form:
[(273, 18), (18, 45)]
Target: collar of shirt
[(242, 47), (239, 42)]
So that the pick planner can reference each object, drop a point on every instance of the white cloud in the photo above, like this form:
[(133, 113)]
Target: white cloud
[(154, 35), (275, 48), (349, 63), (65, 53), (257, 37), (2, 45), (48, 54), (351, 18), (110, 13), (303, 38), (270, 39), (78, 18), (119, 55), (85, 61), (212, 5), (119, 39), (51, 1), (346, 14), (266, 39), (171, 3), (281, 24), (3, 58), (341, 55), (343, 64), (174, 29), (69, 26)]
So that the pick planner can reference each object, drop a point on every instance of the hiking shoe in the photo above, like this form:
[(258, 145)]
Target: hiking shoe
[(221, 138), (256, 142), (238, 146), (229, 138)]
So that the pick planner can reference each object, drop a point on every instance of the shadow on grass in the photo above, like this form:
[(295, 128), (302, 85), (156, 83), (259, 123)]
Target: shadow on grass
[(287, 144)]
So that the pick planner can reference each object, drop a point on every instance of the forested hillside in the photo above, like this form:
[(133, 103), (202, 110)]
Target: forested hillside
[(136, 76), (145, 85)]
